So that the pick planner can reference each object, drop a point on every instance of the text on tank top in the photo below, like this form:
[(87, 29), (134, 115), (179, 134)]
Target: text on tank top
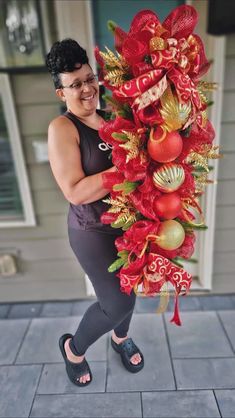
[(95, 157)]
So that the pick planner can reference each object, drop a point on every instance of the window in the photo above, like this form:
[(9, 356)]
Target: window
[(21, 41), (16, 207)]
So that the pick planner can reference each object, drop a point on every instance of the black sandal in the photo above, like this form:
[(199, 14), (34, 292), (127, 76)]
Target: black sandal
[(74, 370), (127, 349)]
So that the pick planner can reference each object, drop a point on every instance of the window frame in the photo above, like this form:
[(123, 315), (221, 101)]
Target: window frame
[(18, 158)]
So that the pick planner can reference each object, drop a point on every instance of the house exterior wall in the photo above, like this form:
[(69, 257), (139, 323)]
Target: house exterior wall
[(47, 267), (224, 246)]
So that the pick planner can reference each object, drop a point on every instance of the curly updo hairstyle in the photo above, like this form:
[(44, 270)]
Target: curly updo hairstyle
[(65, 56)]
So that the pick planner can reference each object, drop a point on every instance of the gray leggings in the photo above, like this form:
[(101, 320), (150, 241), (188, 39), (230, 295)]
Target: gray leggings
[(95, 251)]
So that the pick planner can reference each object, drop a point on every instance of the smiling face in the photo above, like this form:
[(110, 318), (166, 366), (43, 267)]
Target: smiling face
[(80, 91)]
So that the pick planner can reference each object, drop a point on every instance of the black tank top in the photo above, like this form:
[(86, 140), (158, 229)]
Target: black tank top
[(96, 157)]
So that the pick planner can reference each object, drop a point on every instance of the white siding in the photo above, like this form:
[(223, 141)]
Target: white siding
[(48, 268), (224, 249)]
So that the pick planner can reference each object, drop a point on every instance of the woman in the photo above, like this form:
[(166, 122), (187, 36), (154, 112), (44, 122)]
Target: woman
[(78, 157)]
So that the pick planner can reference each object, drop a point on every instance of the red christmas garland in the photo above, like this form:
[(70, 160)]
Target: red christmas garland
[(161, 142)]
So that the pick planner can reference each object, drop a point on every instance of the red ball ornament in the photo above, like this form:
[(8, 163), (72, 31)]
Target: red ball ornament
[(168, 206), (164, 146)]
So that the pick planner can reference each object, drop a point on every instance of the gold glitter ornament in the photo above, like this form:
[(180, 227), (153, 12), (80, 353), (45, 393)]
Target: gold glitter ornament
[(157, 43), (170, 235), (169, 177)]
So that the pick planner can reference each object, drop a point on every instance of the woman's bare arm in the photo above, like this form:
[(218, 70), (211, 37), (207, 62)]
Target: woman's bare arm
[(66, 165)]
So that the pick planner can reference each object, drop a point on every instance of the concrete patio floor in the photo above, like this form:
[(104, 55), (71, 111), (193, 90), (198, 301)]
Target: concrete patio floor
[(189, 370)]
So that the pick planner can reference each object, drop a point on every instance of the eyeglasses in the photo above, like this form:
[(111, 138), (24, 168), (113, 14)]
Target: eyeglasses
[(77, 85)]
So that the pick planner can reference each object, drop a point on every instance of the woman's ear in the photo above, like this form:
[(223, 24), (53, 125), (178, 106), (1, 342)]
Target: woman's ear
[(60, 94)]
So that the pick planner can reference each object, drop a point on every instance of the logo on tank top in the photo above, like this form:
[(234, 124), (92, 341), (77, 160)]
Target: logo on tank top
[(104, 147)]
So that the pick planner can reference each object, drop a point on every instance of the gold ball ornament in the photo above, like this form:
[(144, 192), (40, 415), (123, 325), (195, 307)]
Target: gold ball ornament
[(169, 177), (171, 235)]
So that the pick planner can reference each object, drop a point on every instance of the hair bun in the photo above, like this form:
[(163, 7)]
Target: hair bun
[(65, 55)]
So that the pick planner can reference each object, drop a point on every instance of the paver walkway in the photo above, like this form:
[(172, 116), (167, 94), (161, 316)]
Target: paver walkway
[(189, 370)]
